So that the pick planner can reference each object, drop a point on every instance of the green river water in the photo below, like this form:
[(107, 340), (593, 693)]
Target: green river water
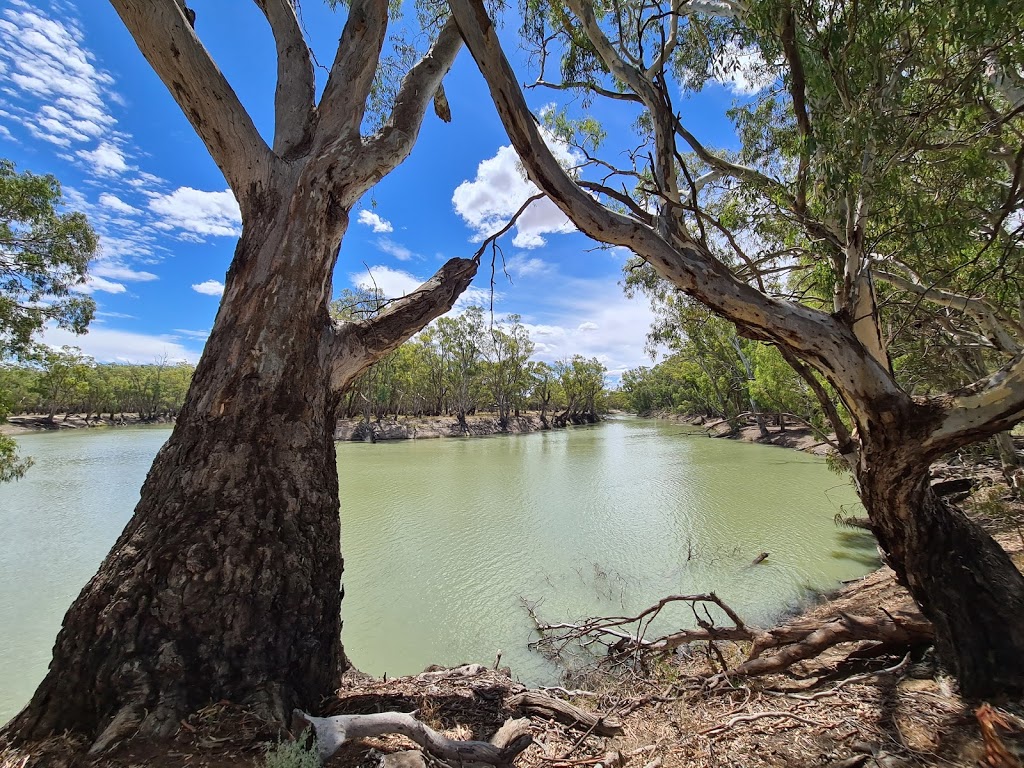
[(444, 538)]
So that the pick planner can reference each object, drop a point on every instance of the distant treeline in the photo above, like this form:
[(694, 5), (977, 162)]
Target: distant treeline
[(465, 364), (459, 366), (67, 381)]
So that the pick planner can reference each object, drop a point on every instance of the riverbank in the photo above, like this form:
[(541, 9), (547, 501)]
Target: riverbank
[(38, 422)]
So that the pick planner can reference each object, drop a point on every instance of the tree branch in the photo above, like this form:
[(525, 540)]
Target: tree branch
[(333, 732), (817, 337), (981, 311), (994, 404), (296, 88), (393, 144), (343, 102), (170, 45), (357, 345)]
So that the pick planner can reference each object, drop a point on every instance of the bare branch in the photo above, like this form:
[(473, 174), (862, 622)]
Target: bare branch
[(296, 87), (166, 38), (994, 404), (333, 732), (343, 102), (357, 345)]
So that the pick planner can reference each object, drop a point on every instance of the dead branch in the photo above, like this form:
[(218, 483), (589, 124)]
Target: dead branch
[(333, 732), (624, 637), (548, 706), (757, 716)]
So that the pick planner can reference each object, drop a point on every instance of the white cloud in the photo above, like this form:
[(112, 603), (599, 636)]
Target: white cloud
[(109, 345), (60, 94), (522, 266), (390, 247), (105, 160), (114, 203), (592, 318), (500, 188), (201, 335), (375, 222), (118, 271), (93, 284), (198, 212), (393, 282), (209, 287)]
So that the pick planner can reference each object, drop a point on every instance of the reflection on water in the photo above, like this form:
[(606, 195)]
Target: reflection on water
[(442, 538)]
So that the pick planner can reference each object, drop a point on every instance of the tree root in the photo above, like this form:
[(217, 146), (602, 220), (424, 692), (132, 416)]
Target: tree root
[(624, 638), (333, 732)]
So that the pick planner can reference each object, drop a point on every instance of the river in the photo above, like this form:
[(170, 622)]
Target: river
[(443, 539)]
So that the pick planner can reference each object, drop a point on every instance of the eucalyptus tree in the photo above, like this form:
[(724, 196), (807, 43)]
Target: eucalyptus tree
[(225, 584), (461, 341), (506, 372), (44, 255), (887, 140)]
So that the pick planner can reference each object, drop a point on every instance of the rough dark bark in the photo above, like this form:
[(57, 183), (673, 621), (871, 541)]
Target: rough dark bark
[(225, 584), (963, 580)]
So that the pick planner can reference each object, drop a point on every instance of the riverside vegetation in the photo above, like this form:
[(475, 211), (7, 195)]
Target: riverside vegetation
[(876, 189)]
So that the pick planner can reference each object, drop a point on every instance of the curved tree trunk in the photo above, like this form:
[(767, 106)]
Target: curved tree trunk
[(963, 580)]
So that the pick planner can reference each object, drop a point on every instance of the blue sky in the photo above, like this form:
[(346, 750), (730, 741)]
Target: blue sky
[(78, 100)]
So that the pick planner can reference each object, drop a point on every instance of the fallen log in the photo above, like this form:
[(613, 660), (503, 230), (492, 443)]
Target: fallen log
[(333, 732), (564, 712)]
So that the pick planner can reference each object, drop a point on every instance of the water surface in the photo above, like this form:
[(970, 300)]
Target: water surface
[(444, 538)]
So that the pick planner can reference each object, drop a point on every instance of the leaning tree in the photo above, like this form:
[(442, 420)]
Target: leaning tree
[(225, 584), (888, 134)]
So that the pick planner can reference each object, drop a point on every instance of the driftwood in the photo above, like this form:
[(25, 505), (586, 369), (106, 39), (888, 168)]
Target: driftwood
[(332, 732), (564, 712), (624, 637)]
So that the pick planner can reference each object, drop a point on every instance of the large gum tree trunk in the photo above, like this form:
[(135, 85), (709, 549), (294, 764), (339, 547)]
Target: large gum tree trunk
[(225, 583), (959, 575)]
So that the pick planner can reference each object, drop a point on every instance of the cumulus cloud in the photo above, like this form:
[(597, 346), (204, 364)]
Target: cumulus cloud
[(114, 203), (592, 317), (500, 188), (106, 160), (209, 287), (196, 212), (108, 345), (390, 247), (375, 222), (523, 266), (742, 69), (117, 271), (60, 94)]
